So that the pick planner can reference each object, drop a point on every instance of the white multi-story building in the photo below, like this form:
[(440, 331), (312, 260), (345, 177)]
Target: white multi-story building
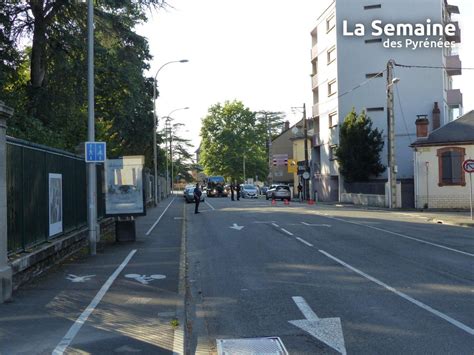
[(350, 72)]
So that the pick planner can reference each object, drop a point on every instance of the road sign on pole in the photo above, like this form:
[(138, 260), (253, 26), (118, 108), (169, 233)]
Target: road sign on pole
[(95, 152), (468, 167)]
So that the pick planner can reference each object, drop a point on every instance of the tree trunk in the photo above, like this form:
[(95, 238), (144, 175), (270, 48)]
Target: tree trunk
[(38, 50)]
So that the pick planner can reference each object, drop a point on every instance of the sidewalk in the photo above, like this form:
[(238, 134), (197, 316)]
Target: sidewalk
[(449, 217), (126, 299)]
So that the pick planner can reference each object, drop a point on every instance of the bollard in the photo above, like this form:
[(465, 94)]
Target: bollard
[(286, 202), (274, 202)]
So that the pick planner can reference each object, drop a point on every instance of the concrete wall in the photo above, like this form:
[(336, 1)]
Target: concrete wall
[(427, 190), (282, 145)]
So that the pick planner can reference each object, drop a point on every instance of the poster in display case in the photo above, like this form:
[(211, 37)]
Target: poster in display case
[(124, 186)]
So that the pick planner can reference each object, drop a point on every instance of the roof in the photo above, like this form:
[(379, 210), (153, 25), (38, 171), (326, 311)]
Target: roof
[(460, 131)]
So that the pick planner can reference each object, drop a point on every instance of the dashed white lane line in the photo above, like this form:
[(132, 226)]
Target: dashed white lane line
[(211, 206), (402, 235), (304, 242), (275, 225), (72, 332), (286, 231), (420, 304), (159, 218)]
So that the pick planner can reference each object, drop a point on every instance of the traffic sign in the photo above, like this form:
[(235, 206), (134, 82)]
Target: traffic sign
[(306, 175), (292, 166), (468, 166), (95, 152)]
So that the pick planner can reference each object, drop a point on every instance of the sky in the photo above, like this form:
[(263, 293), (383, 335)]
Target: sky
[(255, 51)]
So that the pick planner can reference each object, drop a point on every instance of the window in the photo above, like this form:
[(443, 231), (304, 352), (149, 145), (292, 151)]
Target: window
[(374, 75), (371, 7), (331, 55), (332, 152), (315, 66), (330, 22), (375, 109), (373, 40), (450, 166), (333, 121), (332, 87)]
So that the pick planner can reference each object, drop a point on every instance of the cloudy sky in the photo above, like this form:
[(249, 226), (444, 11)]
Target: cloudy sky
[(254, 51)]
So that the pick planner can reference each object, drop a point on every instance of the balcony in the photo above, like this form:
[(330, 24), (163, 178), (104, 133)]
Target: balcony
[(315, 110), (314, 81), (457, 36), (454, 98), (453, 65), (317, 140), (314, 52)]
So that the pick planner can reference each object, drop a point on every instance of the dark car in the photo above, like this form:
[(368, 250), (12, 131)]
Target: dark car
[(215, 187)]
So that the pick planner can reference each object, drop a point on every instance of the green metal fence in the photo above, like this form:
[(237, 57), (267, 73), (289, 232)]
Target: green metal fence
[(28, 200)]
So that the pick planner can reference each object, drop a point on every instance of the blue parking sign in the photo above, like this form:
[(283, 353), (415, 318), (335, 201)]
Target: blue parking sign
[(95, 152)]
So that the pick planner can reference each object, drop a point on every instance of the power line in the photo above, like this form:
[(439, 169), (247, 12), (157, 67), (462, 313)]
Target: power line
[(431, 67), (402, 112), (358, 86)]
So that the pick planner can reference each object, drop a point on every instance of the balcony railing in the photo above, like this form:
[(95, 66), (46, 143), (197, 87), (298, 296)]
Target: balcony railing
[(453, 65), (314, 51), (314, 81), (315, 110), (457, 35), (454, 97)]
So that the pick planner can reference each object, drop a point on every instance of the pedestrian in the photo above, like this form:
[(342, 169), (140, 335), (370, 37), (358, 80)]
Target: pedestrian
[(197, 198), (232, 191), (300, 190), (237, 189)]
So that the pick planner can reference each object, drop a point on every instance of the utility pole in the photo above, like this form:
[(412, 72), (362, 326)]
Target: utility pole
[(171, 159), (306, 158), (244, 168), (392, 173), (91, 168), (269, 128)]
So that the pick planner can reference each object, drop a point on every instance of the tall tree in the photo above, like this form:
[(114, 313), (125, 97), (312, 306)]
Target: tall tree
[(359, 148), (231, 133)]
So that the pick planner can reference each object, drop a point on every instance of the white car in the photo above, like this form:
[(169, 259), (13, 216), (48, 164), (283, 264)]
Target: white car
[(248, 191)]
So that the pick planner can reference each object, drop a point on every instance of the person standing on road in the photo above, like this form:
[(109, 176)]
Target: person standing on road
[(300, 190), (197, 198), (232, 191), (237, 189)]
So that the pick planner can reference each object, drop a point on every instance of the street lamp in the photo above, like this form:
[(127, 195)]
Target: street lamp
[(168, 128), (155, 125), (306, 154)]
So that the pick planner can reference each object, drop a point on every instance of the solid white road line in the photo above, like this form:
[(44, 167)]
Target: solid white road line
[(71, 334), (304, 241), (437, 313), (403, 236), (207, 203), (287, 232), (305, 308), (159, 218), (275, 225)]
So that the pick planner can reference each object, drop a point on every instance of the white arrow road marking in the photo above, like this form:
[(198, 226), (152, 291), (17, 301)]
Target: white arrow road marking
[(236, 227), (327, 330), (143, 279), (316, 225), (75, 278)]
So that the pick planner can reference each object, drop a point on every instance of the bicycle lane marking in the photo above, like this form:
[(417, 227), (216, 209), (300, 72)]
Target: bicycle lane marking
[(80, 321)]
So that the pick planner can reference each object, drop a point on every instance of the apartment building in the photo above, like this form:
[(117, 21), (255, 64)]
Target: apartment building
[(350, 72)]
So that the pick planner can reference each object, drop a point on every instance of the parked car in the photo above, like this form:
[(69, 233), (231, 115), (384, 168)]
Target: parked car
[(248, 191), (263, 190), (279, 192), (186, 188), (189, 195)]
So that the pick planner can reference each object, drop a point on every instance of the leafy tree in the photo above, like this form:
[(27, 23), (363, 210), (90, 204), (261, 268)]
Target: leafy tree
[(46, 82), (229, 133), (359, 148)]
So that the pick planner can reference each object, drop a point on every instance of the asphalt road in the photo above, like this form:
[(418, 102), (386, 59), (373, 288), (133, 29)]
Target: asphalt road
[(321, 279), (395, 284)]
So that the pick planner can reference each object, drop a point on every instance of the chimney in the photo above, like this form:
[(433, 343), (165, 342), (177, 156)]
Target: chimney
[(436, 116), (286, 126), (422, 124)]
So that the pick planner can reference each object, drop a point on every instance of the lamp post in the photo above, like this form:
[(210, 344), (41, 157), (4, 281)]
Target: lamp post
[(155, 125), (306, 154), (167, 122), (392, 170)]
